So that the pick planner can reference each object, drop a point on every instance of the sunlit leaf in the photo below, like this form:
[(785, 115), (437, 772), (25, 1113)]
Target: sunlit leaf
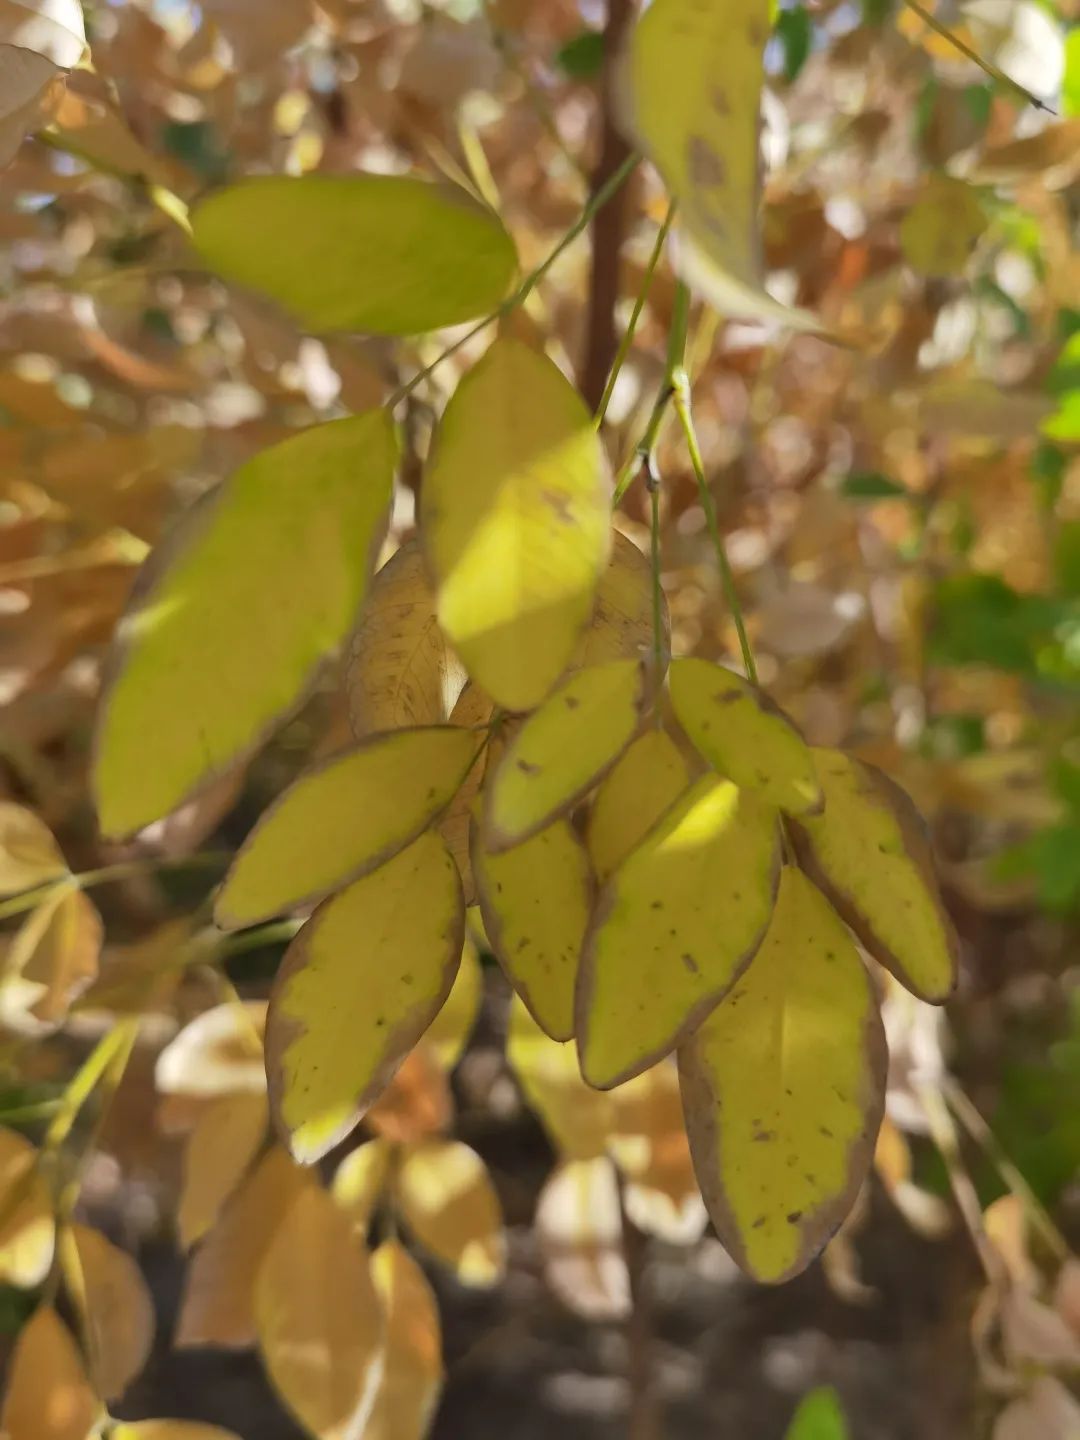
[(220, 1052), (649, 777), (39, 42), (449, 1203), (52, 958), (579, 1226), (224, 1142), (357, 988), (217, 1306), (343, 819), (390, 255), (27, 1229), (172, 1430), (702, 135), (819, 1417), (474, 709), (318, 1316), (562, 750), (577, 1117), (783, 1088), (743, 735), (233, 613), (516, 522), (412, 1370), (48, 1396), (535, 903), (115, 1305), (674, 928), (29, 855), (359, 1180), (869, 853), (401, 670)]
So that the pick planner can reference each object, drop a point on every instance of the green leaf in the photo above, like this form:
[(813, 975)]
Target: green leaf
[(233, 613), (1070, 86), (344, 818), (819, 1417), (980, 620), (674, 928), (385, 254), (516, 522), (796, 34), (783, 1089), (871, 485), (582, 57), (357, 989)]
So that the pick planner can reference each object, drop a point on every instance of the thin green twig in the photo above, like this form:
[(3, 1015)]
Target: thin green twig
[(635, 315), (642, 461), (681, 401), (529, 284)]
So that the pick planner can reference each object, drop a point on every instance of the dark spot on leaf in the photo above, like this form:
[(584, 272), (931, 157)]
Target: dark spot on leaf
[(705, 165), (794, 1217)]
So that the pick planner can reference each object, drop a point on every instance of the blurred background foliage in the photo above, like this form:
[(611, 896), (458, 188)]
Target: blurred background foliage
[(903, 519)]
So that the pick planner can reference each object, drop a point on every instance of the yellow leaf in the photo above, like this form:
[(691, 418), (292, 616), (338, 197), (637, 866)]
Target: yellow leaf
[(401, 670), (743, 735), (358, 987), (27, 1230), (318, 1315), (622, 621), (674, 928), (389, 255), (29, 855), (516, 522), (217, 1308), (651, 775), (562, 750), (449, 1203), (869, 854), (535, 903), (412, 1370), (220, 1052), (48, 1395), (171, 1430), (579, 1226), (703, 136), (577, 1117), (232, 615), (117, 1311), (53, 957), (939, 232), (343, 819), (225, 1140), (359, 1180), (449, 1032), (783, 1089), (474, 709)]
